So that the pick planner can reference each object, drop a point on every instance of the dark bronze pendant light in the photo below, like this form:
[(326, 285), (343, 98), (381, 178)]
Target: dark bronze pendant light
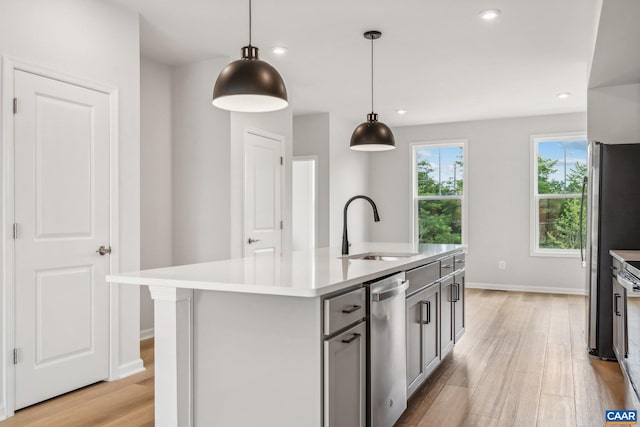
[(372, 135), (249, 84)]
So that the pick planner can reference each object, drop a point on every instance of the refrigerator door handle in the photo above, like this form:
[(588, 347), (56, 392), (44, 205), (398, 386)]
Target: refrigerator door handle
[(585, 180)]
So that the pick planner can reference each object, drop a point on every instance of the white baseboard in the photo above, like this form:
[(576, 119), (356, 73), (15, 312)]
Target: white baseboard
[(517, 288), (128, 369), (145, 334)]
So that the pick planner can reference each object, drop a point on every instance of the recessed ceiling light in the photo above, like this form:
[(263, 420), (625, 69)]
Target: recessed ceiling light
[(563, 95), (401, 111), (490, 14), (279, 50)]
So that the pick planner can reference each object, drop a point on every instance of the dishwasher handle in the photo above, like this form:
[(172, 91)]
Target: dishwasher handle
[(400, 287)]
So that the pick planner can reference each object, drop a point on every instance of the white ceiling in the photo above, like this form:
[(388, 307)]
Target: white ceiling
[(436, 58)]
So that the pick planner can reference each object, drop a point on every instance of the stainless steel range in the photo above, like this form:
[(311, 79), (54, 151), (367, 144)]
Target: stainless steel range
[(630, 274)]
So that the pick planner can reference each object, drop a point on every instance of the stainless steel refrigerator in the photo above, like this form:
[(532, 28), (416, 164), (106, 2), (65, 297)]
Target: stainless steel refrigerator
[(613, 222)]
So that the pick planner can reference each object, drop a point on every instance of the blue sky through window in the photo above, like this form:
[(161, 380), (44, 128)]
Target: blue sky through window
[(566, 153), (443, 162)]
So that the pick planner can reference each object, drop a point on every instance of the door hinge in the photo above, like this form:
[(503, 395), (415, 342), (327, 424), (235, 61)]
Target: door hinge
[(15, 356), (15, 231), (15, 105), (281, 160), (281, 225)]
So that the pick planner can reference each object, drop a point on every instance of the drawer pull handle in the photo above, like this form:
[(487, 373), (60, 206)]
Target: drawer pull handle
[(352, 309), (447, 266), (352, 339), (427, 314)]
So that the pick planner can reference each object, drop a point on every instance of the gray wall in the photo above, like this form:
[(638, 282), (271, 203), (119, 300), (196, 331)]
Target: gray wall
[(201, 169), (342, 173), (311, 138), (499, 199), (349, 175), (614, 114), (156, 242)]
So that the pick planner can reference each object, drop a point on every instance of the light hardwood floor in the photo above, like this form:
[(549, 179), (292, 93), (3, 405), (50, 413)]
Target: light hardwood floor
[(522, 362), (127, 402)]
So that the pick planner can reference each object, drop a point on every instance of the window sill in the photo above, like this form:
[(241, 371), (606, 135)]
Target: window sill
[(555, 254)]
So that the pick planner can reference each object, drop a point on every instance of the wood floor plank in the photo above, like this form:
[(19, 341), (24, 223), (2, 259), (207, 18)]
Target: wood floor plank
[(420, 403), (556, 411), (521, 404), (558, 371), (491, 393), (449, 409), (479, 421), (470, 371)]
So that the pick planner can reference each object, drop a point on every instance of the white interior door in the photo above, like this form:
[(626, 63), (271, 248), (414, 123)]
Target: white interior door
[(263, 195), (62, 217)]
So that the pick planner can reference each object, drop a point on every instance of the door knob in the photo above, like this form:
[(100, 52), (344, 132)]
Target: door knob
[(103, 250), (250, 241)]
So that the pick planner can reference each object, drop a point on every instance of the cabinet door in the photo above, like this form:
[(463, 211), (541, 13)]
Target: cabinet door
[(619, 337), (458, 306), (430, 326), (345, 372), (446, 316), (415, 342)]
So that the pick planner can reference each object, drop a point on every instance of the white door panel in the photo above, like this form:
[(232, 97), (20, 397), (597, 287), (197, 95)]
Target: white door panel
[(263, 195), (62, 212)]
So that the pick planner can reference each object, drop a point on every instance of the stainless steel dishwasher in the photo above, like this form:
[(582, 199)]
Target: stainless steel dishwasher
[(387, 367)]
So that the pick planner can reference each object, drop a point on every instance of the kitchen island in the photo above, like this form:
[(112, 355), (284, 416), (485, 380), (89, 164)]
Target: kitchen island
[(240, 342)]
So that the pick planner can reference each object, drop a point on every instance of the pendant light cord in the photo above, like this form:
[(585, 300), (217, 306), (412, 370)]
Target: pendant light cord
[(249, 22), (372, 75)]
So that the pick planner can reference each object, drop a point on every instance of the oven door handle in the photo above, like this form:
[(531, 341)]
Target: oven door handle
[(381, 296)]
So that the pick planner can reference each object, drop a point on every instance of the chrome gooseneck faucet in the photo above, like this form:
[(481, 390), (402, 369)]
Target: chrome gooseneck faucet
[(345, 238)]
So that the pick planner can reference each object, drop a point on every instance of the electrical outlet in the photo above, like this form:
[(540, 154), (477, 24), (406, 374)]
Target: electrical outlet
[(502, 265)]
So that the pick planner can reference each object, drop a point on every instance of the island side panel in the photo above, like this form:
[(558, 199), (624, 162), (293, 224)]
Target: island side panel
[(257, 360), (173, 356)]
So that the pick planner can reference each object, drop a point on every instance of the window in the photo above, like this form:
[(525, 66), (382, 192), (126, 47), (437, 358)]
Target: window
[(559, 168), (439, 192)]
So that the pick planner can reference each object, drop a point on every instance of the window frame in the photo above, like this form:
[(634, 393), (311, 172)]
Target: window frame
[(535, 198), (415, 198)]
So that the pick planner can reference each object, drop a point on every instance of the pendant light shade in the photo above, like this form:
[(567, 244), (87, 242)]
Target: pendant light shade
[(372, 135), (249, 84)]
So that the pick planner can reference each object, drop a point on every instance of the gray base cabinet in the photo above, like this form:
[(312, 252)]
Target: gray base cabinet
[(446, 316), (619, 326), (345, 378), (458, 305), (435, 315), (423, 349)]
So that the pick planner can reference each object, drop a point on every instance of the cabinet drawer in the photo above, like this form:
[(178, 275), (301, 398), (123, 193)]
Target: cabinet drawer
[(421, 276), (458, 261), (446, 266), (343, 310)]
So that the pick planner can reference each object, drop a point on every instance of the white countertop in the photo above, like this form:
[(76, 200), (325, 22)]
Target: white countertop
[(625, 255), (308, 273)]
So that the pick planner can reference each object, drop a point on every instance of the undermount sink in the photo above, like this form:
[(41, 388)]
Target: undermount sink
[(378, 256)]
